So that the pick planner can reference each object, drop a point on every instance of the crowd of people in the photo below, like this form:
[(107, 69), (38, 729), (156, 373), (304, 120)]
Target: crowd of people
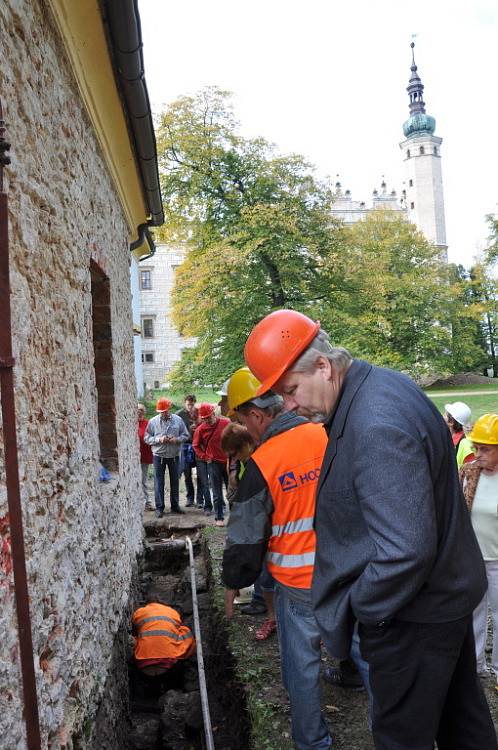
[(367, 523)]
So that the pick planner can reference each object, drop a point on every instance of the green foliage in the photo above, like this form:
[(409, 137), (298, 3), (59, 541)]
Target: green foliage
[(261, 237)]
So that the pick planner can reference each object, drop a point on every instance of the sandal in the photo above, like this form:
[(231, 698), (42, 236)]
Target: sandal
[(266, 629)]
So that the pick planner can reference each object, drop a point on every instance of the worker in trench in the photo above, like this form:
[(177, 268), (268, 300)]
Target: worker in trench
[(395, 554), (162, 644), (272, 519)]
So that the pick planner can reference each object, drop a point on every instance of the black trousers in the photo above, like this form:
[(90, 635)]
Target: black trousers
[(425, 687)]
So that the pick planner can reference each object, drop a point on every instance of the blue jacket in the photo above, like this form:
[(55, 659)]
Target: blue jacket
[(394, 538)]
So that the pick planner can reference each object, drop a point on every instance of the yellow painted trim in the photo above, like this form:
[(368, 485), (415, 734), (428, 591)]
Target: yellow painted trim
[(82, 31)]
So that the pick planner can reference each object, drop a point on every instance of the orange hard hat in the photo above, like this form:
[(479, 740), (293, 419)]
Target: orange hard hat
[(275, 343), (205, 410), (163, 404)]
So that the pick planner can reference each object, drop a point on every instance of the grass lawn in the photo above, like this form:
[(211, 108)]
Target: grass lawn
[(480, 404), (491, 385), (177, 397)]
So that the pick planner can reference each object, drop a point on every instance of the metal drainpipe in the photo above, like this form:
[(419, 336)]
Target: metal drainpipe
[(12, 470), (206, 717)]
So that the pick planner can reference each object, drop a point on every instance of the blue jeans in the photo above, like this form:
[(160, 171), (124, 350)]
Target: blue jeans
[(185, 468), (203, 491), (264, 582), (215, 473), (299, 640), (159, 472)]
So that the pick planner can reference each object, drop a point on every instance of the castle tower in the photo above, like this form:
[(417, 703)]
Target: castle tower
[(422, 158)]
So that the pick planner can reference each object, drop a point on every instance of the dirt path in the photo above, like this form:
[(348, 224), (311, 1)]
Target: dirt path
[(448, 394)]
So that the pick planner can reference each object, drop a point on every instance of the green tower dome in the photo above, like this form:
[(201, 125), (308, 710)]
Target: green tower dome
[(419, 123)]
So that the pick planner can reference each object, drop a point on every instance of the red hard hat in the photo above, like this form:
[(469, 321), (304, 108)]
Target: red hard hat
[(205, 410), (163, 404), (275, 343)]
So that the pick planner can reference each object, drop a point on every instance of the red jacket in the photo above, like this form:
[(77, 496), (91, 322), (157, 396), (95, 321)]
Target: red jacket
[(145, 450), (207, 441)]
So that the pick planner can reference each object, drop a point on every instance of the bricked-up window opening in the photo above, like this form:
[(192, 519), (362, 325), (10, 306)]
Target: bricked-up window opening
[(146, 280), (104, 371), (148, 328)]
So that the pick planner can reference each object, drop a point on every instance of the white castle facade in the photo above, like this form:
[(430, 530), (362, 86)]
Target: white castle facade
[(162, 344)]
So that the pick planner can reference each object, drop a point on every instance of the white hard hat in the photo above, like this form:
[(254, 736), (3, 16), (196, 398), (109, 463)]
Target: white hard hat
[(224, 388), (461, 412)]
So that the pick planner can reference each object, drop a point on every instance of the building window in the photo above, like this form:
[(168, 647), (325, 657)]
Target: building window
[(408, 154), (145, 279), (422, 150), (435, 150), (148, 328), (104, 366), (147, 357), (410, 182), (412, 205), (156, 384)]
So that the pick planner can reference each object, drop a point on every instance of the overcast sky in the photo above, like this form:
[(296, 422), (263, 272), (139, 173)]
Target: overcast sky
[(328, 80)]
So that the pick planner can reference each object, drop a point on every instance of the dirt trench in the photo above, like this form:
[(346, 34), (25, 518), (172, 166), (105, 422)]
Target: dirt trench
[(165, 712)]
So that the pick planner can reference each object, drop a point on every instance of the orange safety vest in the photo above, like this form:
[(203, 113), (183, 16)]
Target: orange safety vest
[(160, 634), (290, 463)]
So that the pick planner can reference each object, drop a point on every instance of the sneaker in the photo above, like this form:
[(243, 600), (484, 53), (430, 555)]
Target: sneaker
[(336, 677), (219, 522), (177, 510), (159, 514), (254, 608)]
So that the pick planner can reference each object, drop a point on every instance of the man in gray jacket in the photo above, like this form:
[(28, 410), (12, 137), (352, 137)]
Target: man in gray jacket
[(165, 433), (395, 548)]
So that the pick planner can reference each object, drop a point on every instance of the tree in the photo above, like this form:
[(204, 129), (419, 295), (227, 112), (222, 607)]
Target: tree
[(261, 237), (395, 309)]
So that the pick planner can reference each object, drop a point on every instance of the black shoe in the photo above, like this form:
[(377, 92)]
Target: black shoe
[(189, 505), (253, 608), (336, 677), (177, 510), (159, 514)]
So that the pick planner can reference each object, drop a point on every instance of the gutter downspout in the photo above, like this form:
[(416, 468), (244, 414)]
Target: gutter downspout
[(21, 593), (144, 235)]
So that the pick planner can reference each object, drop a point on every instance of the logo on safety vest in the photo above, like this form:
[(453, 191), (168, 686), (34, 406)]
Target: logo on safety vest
[(288, 481)]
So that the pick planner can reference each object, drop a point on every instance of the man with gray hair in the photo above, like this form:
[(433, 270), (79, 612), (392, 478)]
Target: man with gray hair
[(272, 521), (395, 553)]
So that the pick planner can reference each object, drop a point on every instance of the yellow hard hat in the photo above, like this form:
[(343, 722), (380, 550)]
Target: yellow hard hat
[(485, 430), (242, 387)]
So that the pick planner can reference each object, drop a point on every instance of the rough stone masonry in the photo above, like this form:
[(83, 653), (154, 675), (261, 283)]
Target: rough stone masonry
[(82, 537)]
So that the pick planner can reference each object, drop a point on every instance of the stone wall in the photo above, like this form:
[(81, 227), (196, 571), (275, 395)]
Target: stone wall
[(82, 537)]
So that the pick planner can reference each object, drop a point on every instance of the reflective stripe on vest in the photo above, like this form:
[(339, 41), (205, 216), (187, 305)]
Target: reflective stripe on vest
[(290, 463), (168, 633), (153, 641), (293, 527)]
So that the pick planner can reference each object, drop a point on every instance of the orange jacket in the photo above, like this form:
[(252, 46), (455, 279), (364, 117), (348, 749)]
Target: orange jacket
[(290, 464), (159, 633)]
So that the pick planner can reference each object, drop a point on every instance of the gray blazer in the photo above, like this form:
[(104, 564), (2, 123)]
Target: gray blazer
[(394, 538)]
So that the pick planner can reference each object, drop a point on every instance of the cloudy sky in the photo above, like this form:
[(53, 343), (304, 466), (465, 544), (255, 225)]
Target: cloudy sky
[(328, 80)]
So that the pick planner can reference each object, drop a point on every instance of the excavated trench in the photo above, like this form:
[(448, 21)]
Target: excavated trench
[(165, 712)]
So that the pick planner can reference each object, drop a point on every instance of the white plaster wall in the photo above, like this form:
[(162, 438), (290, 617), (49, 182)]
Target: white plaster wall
[(167, 344), (81, 538)]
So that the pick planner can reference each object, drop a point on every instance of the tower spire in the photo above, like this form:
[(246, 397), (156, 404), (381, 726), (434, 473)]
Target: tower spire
[(415, 88)]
